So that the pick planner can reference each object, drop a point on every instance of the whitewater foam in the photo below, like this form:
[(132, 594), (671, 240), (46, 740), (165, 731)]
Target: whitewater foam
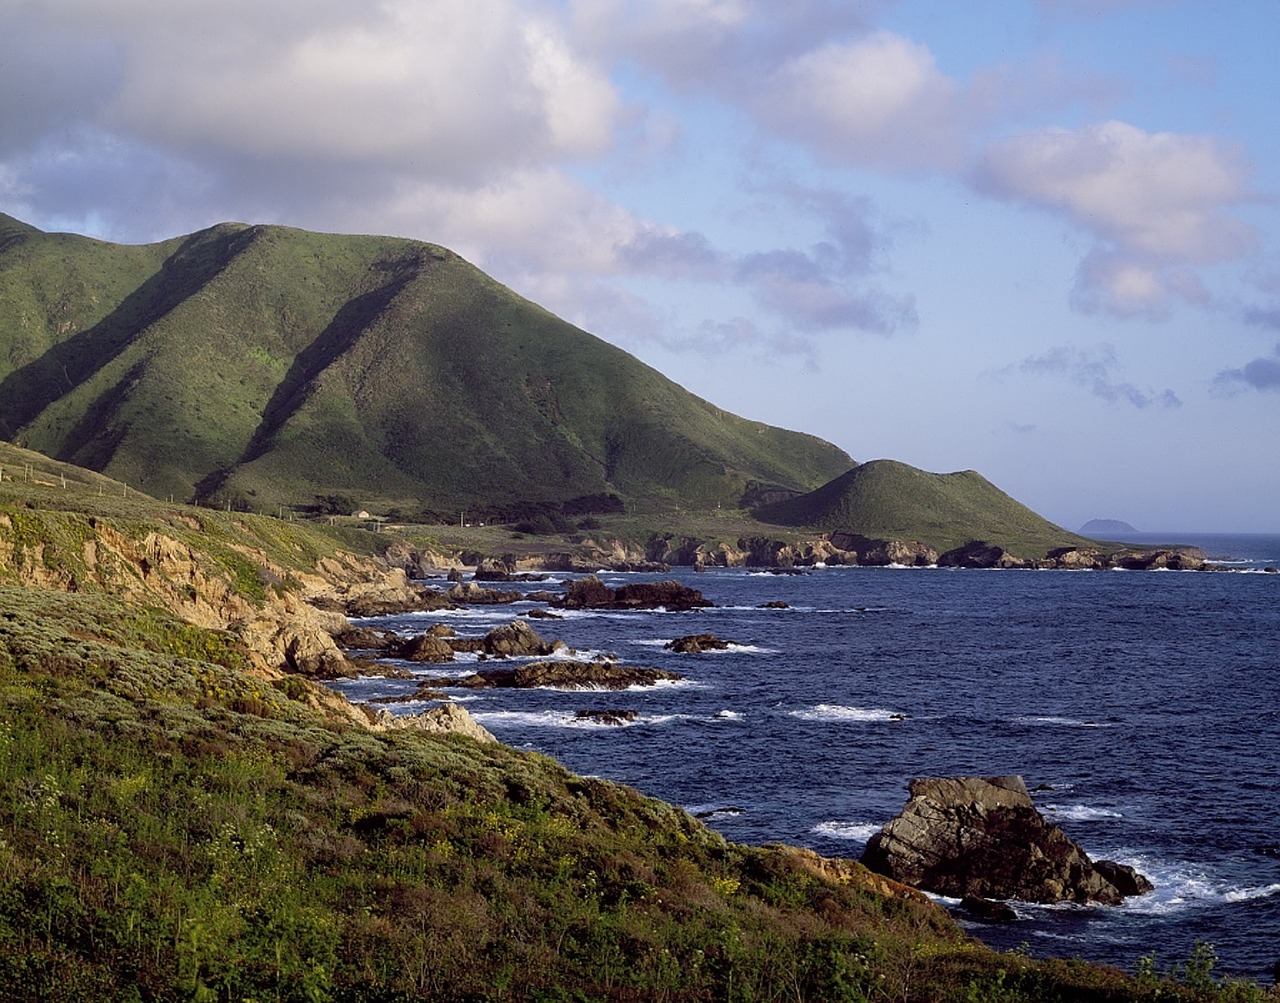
[(1064, 722), (838, 712), (564, 719), (1183, 885), (858, 832), (1080, 812)]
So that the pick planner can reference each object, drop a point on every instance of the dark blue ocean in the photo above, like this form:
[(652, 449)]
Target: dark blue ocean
[(1143, 709)]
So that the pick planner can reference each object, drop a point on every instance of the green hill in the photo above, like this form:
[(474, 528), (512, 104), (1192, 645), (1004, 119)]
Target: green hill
[(891, 500), (267, 366)]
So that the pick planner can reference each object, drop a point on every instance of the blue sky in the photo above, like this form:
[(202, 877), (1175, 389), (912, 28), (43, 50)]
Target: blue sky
[(1037, 238)]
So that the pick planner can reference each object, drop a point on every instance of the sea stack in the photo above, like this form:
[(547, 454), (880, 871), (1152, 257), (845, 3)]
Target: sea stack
[(983, 837)]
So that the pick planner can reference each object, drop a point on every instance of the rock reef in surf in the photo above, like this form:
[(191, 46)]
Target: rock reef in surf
[(983, 837)]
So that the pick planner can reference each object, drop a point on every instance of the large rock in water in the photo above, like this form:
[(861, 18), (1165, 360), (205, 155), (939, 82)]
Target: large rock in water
[(976, 836), (566, 675), (980, 554), (591, 593)]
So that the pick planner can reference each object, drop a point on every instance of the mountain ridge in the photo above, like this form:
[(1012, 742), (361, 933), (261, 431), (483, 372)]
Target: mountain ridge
[(219, 365)]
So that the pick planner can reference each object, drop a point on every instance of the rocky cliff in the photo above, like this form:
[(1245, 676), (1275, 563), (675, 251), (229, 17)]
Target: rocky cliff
[(284, 616)]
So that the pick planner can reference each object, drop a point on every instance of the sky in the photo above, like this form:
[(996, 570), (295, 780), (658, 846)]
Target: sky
[(1035, 238)]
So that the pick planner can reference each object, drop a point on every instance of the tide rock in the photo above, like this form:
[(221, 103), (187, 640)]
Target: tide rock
[(517, 640), (448, 719), (566, 675), (424, 648), (476, 595), (980, 554), (592, 593), (983, 837), (693, 644), (617, 718)]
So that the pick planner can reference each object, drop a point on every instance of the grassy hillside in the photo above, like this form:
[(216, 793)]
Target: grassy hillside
[(268, 366), (891, 500), (175, 825)]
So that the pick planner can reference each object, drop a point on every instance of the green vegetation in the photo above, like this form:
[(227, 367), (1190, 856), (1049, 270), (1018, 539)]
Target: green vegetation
[(264, 366), (266, 369), (891, 500), (176, 824)]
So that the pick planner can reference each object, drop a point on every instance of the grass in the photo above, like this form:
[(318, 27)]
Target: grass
[(175, 825), (265, 366), (891, 500), (171, 828)]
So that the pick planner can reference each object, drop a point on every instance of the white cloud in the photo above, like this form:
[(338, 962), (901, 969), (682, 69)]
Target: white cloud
[(726, 45), (1155, 203), (524, 223), (428, 88), (880, 101), (433, 88)]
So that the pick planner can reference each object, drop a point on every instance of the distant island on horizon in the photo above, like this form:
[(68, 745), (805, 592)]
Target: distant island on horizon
[(1101, 527)]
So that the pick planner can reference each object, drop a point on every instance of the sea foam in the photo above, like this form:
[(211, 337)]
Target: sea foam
[(858, 832), (838, 712)]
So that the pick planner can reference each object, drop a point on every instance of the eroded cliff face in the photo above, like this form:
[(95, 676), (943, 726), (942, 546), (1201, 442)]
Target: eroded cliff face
[(767, 552), (284, 617)]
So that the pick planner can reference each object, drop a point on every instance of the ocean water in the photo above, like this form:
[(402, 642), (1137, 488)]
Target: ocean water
[(1142, 708)]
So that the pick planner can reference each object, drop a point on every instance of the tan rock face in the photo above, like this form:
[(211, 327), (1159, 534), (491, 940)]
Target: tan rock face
[(448, 718), (283, 633)]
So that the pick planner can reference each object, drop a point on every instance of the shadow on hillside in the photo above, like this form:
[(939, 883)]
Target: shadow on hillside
[(28, 391), (352, 320)]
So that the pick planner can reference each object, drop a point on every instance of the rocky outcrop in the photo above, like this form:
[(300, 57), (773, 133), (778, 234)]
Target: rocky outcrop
[(475, 594), (504, 569), (854, 548), (982, 837), (449, 719), (980, 554), (1076, 559), (693, 644), (394, 602), (367, 639), (611, 717), (563, 675), (1097, 559), (592, 593), (1172, 559)]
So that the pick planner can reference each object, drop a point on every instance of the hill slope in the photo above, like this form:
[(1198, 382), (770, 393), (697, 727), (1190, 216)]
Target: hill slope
[(267, 365), (180, 822), (888, 499)]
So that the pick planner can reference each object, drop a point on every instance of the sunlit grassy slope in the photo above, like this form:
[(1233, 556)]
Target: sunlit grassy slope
[(269, 365), (888, 499)]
